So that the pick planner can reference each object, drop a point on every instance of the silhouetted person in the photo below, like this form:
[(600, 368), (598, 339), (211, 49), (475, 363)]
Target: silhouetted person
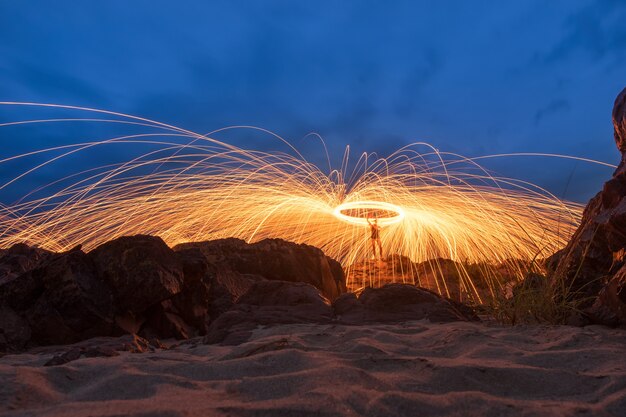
[(375, 237)]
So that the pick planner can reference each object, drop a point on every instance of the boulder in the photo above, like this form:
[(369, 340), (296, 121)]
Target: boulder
[(397, 303), (275, 259), (140, 270), (269, 302)]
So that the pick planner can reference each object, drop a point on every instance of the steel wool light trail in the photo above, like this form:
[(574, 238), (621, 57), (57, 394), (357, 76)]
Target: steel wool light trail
[(191, 187)]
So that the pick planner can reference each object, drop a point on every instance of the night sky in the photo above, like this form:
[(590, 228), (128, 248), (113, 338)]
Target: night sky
[(473, 77)]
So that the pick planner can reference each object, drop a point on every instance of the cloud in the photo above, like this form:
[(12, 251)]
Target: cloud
[(554, 107), (597, 30)]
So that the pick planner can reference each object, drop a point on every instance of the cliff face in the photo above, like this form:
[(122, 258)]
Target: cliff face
[(593, 261)]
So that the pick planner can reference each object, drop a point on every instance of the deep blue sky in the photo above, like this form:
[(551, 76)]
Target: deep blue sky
[(474, 77)]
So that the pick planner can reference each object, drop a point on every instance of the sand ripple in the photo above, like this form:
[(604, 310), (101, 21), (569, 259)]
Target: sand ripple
[(418, 368)]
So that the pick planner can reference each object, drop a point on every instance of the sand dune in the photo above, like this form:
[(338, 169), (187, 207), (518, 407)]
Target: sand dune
[(417, 368)]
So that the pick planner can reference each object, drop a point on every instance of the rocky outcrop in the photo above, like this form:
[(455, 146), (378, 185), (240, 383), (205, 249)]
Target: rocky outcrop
[(138, 285), (275, 259), (590, 263), (62, 300)]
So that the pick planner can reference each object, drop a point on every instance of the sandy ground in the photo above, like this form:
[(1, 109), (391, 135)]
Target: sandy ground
[(412, 369)]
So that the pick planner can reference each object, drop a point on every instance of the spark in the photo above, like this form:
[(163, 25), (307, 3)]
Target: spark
[(187, 186)]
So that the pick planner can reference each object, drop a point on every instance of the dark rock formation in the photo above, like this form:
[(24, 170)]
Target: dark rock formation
[(62, 300), (275, 259), (594, 251), (267, 303), (396, 303), (137, 284)]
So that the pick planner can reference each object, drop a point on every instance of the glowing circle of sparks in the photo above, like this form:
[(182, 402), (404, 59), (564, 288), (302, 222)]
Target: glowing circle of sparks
[(357, 212)]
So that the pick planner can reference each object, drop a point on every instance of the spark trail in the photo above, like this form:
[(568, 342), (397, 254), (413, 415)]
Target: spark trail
[(192, 187)]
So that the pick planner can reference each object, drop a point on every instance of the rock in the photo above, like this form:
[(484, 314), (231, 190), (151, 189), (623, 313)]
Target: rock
[(208, 291), (165, 320), (128, 343), (197, 294), (14, 330), (609, 307), (619, 121), (69, 356), (597, 249), (398, 303), (106, 348), (62, 300), (140, 270), (183, 314), (275, 259), (226, 288), (18, 259), (268, 303), (139, 285)]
